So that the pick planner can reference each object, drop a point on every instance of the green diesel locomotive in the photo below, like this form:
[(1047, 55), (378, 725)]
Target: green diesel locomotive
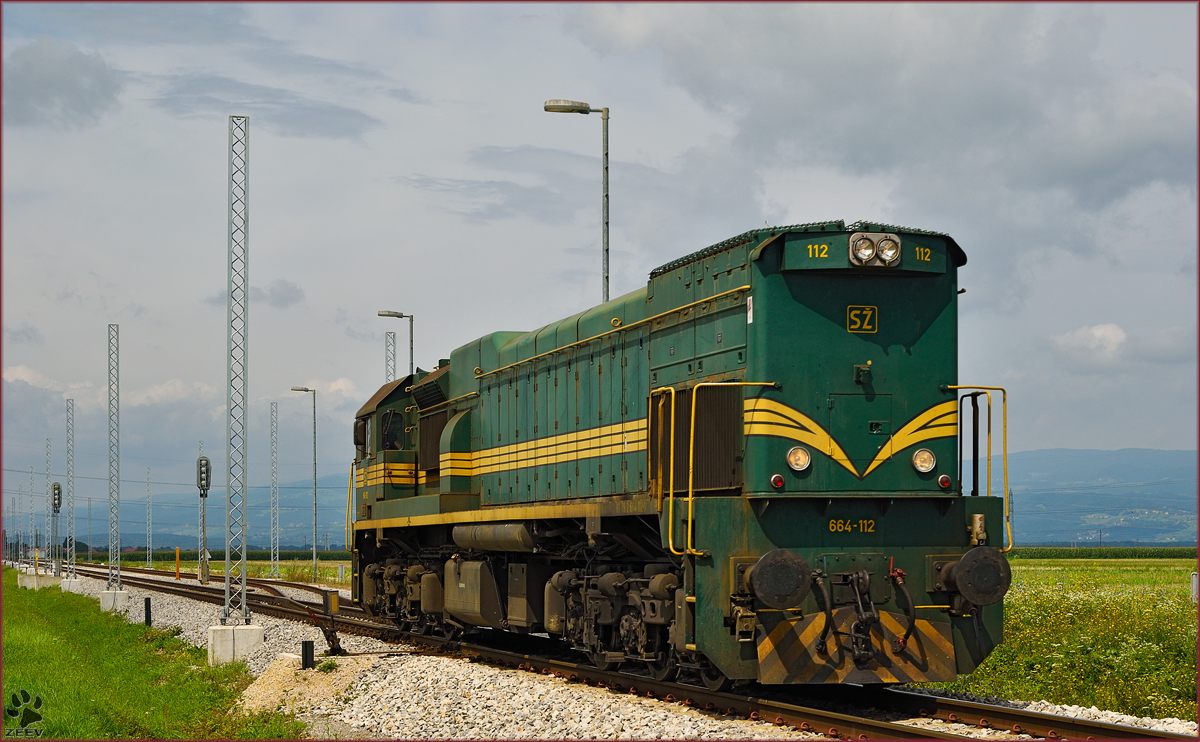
[(750, 469)]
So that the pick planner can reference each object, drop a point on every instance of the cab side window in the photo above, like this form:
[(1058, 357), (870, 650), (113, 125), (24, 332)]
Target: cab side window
[(393, 431)]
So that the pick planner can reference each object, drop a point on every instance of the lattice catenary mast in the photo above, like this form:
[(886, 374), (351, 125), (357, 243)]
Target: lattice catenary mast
[(235, 398), (114, 458), (49, 555), (70, 555), (275, 489), (149, 523), (389, 356)]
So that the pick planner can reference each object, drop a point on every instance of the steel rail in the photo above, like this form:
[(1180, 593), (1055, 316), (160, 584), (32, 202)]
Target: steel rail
[(779, 706), (1023, 721)]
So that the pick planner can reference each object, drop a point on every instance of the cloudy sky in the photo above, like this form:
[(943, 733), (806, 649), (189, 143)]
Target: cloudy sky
[(400, 159)]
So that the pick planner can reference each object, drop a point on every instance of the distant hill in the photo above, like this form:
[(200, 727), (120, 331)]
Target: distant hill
[(1089, 497), (1060, 496)]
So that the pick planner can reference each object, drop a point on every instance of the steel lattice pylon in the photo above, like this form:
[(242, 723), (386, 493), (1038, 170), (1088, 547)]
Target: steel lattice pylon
[(70, 555), (34, 538), (200, 545), (49, 555), (235, 399), (149, 523), (275, 489), (389, 356), (114, 458)]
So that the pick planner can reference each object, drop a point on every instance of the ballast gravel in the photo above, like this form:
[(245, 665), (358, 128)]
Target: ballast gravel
[(403, 693)]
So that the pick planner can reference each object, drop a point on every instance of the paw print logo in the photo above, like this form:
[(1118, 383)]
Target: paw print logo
[(23, 710)]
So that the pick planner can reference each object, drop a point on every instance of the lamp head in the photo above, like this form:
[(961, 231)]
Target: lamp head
[(301, 389), (562, 105)]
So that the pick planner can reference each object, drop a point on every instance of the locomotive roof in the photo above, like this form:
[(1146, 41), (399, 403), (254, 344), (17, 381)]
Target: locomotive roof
[(838, 225)]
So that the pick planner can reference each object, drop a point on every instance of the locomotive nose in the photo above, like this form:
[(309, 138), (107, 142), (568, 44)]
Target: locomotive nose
[(982, 576)]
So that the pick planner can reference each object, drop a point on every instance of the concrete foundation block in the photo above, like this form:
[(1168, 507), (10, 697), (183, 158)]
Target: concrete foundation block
[(232, 643), (113, 601), (71, 586), (37, 582)]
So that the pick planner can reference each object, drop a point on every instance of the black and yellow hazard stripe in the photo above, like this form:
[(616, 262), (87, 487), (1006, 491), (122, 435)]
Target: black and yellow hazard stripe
[(787, 650), (607, 440)]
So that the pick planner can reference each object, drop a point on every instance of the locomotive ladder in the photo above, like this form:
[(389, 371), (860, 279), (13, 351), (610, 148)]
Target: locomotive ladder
[(689, 550)]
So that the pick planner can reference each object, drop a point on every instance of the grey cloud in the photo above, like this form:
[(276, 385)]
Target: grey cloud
[(220, 25), (54, 83), (23, 334), (351, 328), (404, 95), (280, 294), (278, 109), (935, 88), (491, 200)]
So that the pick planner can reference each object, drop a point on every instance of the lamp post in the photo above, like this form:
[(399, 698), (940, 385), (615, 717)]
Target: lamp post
[(314, 519), (409, 317), (559, 105)]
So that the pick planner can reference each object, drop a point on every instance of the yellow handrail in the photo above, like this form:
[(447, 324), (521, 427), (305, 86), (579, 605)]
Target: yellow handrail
[(1004, 449), (349, 499), (692, 450), (671, 478)]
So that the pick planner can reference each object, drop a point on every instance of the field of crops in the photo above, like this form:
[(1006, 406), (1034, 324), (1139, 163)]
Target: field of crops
[(1119, 634)]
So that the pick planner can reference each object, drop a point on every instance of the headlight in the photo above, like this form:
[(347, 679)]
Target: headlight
[(863, 249), (924, 460), (798, 458), (889, 250)]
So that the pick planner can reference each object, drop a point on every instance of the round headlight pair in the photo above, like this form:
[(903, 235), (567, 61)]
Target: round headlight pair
[(865, 250)]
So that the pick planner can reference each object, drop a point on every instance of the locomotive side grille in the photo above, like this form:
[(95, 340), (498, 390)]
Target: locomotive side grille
[(429, 433), (717, 459), (429, 391)]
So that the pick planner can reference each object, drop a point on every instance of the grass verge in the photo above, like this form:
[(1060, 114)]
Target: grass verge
[(1117, 634), (102, 678)]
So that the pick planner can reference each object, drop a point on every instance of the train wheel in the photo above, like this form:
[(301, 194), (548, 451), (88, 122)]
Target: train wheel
[(663, 669), (713, 678), (599, 661)]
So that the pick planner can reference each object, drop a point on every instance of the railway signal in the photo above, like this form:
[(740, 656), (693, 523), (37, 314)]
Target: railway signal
[(203, 482)]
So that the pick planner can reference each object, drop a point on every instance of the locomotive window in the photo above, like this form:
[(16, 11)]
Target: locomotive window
[(361, 431), (393, 429)]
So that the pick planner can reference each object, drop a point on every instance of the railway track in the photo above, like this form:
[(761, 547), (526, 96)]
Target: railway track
[(807, 711)]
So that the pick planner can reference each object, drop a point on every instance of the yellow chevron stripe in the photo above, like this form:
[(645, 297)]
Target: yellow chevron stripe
[(939, 421), (772, 418)]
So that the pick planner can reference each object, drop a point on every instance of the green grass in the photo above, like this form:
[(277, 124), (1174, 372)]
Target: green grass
[(1104, 552), (295, 570), (1118, 634), (101, 678)]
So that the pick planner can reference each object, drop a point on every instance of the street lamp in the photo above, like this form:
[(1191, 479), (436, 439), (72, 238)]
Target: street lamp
[(409, 317), (314, 523), (559, 105)]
